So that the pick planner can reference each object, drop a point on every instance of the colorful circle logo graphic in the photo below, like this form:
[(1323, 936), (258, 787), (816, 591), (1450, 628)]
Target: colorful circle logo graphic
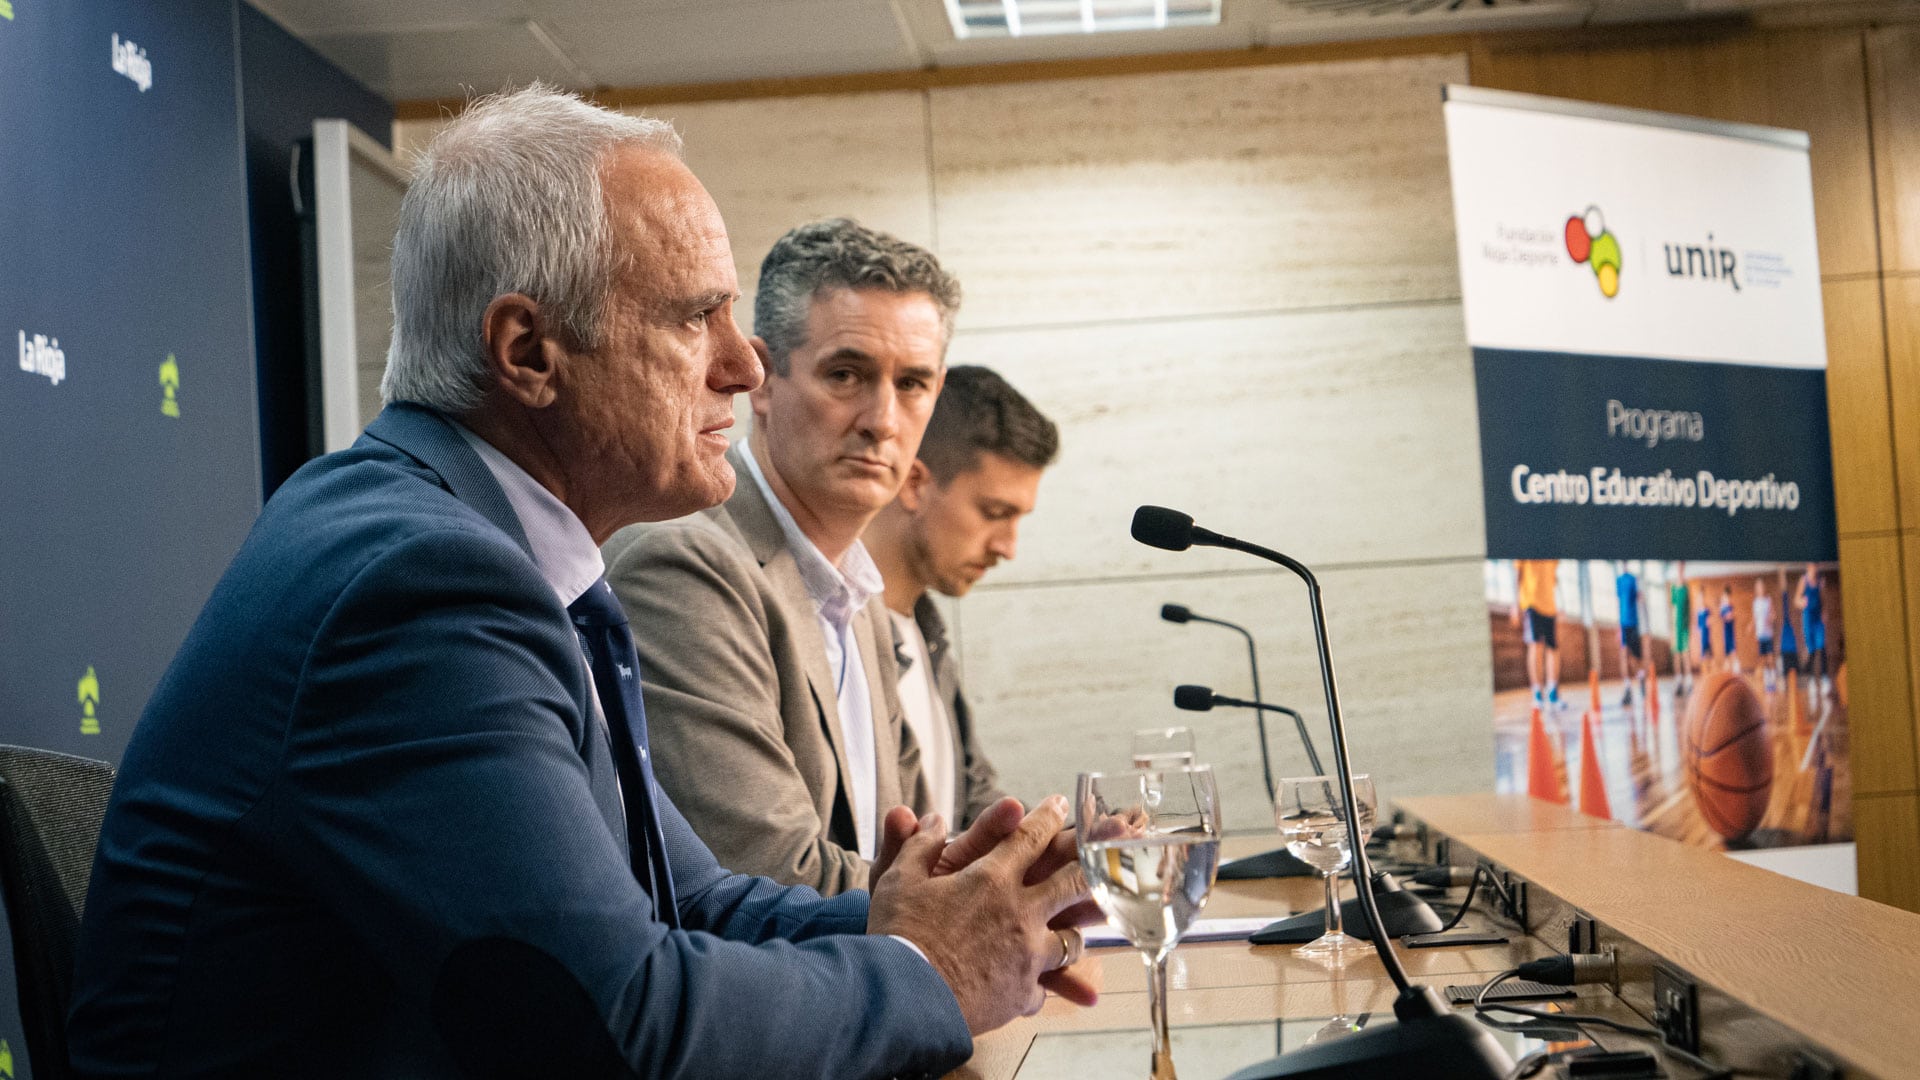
[(1588, 241)]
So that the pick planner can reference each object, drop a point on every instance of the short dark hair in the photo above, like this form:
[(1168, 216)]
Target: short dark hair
[(840, 253), (978, 411)]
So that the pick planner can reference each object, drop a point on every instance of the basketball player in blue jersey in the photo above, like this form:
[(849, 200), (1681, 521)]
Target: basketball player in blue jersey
[(1704, 617), (1813, 626), (1789, 644), (1726, 628)]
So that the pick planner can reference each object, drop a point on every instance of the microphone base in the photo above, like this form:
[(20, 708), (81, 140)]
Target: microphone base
[(1401, 912), (1452, 1046), (1278, 863)]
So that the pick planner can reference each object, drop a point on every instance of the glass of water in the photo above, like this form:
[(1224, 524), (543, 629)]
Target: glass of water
[(1163, 748), (1150, 844), (1311, 813)]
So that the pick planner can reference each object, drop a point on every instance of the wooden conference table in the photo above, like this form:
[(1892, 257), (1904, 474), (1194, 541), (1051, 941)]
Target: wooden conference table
[(1785, 969)]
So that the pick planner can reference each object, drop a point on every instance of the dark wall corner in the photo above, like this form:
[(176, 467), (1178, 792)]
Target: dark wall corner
[(286, 86)]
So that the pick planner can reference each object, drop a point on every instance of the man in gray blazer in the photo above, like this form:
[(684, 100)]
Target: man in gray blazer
[(768, 661), (957, 516)]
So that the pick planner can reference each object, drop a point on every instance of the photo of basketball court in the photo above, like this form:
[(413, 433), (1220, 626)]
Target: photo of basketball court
[(1702, 701)]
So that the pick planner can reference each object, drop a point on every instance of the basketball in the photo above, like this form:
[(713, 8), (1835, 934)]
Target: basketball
[(1729, 754)]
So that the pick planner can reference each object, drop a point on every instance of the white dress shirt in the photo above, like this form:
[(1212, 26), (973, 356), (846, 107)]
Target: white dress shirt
[(839, 593), (926, 715)]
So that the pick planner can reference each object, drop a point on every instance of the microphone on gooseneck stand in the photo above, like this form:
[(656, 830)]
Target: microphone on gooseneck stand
[(1429, 1040), (1268, 864), (1202, 698), (1180, 613)]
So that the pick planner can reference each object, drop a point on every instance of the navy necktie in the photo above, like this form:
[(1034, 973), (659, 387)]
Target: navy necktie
[(603, 629)]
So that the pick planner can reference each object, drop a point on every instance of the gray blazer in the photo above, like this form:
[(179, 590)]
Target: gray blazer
[(741, 710), (976, 785)]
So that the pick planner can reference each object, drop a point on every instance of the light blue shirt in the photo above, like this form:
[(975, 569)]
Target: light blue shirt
[(563, 549), (839, 593)]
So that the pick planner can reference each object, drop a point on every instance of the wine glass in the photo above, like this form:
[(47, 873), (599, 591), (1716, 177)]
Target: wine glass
[(1150, 844), (1158, 748), (1311, 813)]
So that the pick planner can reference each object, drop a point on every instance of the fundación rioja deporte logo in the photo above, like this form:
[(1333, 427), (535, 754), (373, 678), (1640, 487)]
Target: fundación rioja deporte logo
[(1589, 241)]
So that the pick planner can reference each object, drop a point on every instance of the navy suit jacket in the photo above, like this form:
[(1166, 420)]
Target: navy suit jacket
[(369, 826)]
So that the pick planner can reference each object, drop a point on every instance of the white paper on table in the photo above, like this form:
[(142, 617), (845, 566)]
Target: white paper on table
[(1203, 930)]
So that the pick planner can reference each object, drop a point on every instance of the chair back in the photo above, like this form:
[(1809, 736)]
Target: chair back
[(51, 807)]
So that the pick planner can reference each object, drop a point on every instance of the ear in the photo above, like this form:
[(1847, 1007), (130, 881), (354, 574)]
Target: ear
[(758, 396), (521, 357), (913, 492)]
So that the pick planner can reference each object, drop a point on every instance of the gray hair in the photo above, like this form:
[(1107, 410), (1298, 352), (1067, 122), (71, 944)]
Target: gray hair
[(506, 199), (840, 253)]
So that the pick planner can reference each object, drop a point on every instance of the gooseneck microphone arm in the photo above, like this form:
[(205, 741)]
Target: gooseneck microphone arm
[(1178, 614), (1171, 530), (1203, 699)]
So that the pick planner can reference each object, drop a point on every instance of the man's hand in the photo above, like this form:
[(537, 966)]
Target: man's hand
[(1078, 980), (984, 926)]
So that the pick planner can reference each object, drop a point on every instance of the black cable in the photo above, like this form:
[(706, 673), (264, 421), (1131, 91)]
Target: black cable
[(1472, 887), (1542, 971)]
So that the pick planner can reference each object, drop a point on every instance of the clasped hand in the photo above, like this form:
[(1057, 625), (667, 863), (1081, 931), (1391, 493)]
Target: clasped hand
[(993, 911)]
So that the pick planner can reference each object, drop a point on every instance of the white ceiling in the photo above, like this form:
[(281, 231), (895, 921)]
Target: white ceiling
[(413, 49)]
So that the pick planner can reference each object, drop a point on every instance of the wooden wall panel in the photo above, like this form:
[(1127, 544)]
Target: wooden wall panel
[(1893, 58), (1878, 666), (1342, 436), (1254, 189), (1910, 572), (1062, 674), (1858, 417), (1886, 829), (1902, 302)]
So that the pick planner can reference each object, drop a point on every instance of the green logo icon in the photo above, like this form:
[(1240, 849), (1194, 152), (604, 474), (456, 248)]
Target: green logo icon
[(89, 703), (6, 12), (6, 1052), (169, 384)]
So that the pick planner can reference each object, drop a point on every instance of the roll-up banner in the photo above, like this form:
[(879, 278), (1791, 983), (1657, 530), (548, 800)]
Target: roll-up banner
[(1642, 298)]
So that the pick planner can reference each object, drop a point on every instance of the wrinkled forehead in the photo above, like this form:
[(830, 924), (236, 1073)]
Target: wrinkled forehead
[(666, 228)]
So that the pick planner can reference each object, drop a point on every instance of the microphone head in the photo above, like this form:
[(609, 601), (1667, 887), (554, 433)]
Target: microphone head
[(1193, 698), (1157, 526), (1175, 612)]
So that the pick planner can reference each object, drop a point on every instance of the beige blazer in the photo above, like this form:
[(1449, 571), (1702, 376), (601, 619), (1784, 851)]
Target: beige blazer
[(741, 711)]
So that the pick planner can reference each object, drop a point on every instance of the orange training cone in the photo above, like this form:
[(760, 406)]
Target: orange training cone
[(1593, 786), (1544, 781), (1653, 697)]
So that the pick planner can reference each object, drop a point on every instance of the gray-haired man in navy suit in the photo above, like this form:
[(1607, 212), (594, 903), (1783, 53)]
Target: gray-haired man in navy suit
[(390, 811)]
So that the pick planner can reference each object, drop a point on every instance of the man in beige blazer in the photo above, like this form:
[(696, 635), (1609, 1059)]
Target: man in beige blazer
[(769, 675)]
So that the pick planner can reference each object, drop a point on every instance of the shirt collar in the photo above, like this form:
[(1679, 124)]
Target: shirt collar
[(837, 591), (563, 550)]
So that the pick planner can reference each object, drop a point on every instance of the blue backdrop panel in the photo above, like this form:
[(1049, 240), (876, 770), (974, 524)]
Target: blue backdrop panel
[(1660, 424), (123, 219)]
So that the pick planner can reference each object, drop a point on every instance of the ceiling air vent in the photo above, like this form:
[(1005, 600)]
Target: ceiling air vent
[(1031, 18), (1398, 7)]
